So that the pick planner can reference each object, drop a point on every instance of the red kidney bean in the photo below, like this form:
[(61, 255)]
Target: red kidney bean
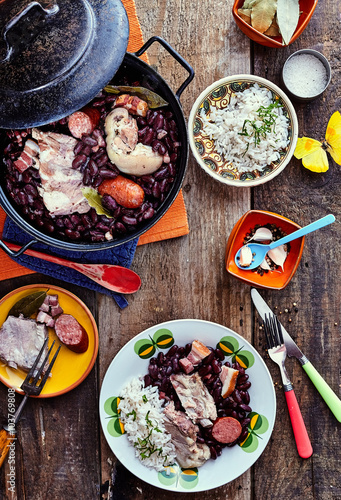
[(236, 396), (244, 407), (97, 181), (131, 221), (216, 366), (214, 454), (102, 160), (245, 386), (243, 435), (158, 122), (246, 397), (205, 370), (74, 235), (148, 214), (107, 173), (93, 168), (97, 134), (142, 132), (78, 148), (89, 141), (242, 379), (86, 177), (150, 117), (245, 422), (148, 137)]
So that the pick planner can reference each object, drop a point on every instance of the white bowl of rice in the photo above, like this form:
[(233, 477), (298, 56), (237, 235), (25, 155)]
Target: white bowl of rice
[(243, 130)]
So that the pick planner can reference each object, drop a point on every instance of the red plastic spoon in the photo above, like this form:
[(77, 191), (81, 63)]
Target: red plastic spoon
[(116, 278)]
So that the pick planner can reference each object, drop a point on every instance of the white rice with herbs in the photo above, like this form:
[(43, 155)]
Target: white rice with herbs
[(251, 131), (142, 416)]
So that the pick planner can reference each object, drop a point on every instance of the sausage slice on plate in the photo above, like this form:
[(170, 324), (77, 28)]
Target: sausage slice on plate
[(226, 429), (71, 333)]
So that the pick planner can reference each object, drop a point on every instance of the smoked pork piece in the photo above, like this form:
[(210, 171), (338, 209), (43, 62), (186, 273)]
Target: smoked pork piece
[(195, 398), (198, 352), (189, 453), (61, 184), (20, 342), (228, 377)]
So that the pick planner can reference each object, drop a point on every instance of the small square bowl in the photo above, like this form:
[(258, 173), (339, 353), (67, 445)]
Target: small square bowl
[(276, 280), (307, 8)]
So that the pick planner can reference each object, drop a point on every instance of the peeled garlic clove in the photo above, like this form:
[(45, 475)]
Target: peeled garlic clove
[(245, 256), (278, 255), (262, 234), (265, 265)]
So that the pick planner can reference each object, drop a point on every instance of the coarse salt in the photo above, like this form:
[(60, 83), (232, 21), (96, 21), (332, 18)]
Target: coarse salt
[(305, 75)]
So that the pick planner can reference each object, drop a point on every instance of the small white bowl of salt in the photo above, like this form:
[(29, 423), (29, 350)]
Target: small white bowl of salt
[(306, 74)]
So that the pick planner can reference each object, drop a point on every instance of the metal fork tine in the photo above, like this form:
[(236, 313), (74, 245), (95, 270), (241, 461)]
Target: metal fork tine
[(47, 373), (279, 329), (31, 372), (42, 366)]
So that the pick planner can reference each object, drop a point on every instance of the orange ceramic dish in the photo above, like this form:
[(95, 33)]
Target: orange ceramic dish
[(273, 279), (307, 8), (70, 368)]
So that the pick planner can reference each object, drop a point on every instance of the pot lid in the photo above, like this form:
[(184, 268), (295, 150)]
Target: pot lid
[(55, 56)]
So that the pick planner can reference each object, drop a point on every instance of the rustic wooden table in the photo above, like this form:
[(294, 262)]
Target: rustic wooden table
[(61, 450)]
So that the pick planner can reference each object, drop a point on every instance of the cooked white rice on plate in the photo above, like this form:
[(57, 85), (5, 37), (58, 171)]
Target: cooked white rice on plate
[(241, 135), (142, 416)]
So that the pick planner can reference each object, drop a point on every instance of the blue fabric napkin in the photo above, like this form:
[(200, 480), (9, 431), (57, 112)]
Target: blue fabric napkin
[(121, 255)]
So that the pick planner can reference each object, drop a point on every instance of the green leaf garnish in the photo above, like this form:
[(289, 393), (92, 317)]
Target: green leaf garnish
[(95, 201), (28, 305), (152, 99)]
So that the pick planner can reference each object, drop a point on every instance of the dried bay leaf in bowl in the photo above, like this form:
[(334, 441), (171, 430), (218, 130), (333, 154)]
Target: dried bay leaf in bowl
[(288, 13), (262, 14)]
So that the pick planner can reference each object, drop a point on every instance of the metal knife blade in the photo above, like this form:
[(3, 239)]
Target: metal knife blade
[(263, 309)]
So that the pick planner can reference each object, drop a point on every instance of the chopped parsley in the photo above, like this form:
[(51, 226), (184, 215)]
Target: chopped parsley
[(144, 398), (145, 446), (267, 118), (133, 412)]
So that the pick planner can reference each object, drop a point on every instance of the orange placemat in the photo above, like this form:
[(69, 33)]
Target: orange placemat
[(173, 224)]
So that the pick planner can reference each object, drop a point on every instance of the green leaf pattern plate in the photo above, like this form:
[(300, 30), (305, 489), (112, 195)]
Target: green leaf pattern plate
[(132, 361)]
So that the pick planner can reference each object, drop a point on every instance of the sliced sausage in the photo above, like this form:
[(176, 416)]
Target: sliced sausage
[(226, 429), (125, 191), (71, 333), (84, 122)]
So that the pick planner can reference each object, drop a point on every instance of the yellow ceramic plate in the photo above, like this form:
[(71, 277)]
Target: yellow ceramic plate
[(70, 368)]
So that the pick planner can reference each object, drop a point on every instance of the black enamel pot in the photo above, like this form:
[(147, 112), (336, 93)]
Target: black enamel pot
[(135, 69)]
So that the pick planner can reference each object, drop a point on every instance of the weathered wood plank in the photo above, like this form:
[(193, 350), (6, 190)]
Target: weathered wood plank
[(185, 277), (304, 196)]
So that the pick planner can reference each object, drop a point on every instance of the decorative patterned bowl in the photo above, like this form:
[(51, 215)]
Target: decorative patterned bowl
[(272, 279), (307, 8), (218, 95)]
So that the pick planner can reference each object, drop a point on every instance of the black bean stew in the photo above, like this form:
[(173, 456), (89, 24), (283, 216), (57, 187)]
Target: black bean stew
[(158, 129), (236, 405)]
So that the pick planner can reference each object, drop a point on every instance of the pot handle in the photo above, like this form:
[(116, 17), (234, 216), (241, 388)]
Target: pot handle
[(176, 56), (25, 25), (11, 253)]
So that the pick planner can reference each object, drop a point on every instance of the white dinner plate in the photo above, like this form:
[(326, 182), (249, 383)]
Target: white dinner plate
[(132, 361)]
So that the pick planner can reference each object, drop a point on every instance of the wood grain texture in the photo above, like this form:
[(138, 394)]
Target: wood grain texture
[(61, 452), (304, 197)]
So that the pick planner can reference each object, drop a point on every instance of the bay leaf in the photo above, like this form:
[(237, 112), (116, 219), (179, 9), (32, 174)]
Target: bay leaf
[(288, 13), (273, 30), (245, 14), (95, 201), (248, 4), (152, 98), (28, 305), (262, 14)]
